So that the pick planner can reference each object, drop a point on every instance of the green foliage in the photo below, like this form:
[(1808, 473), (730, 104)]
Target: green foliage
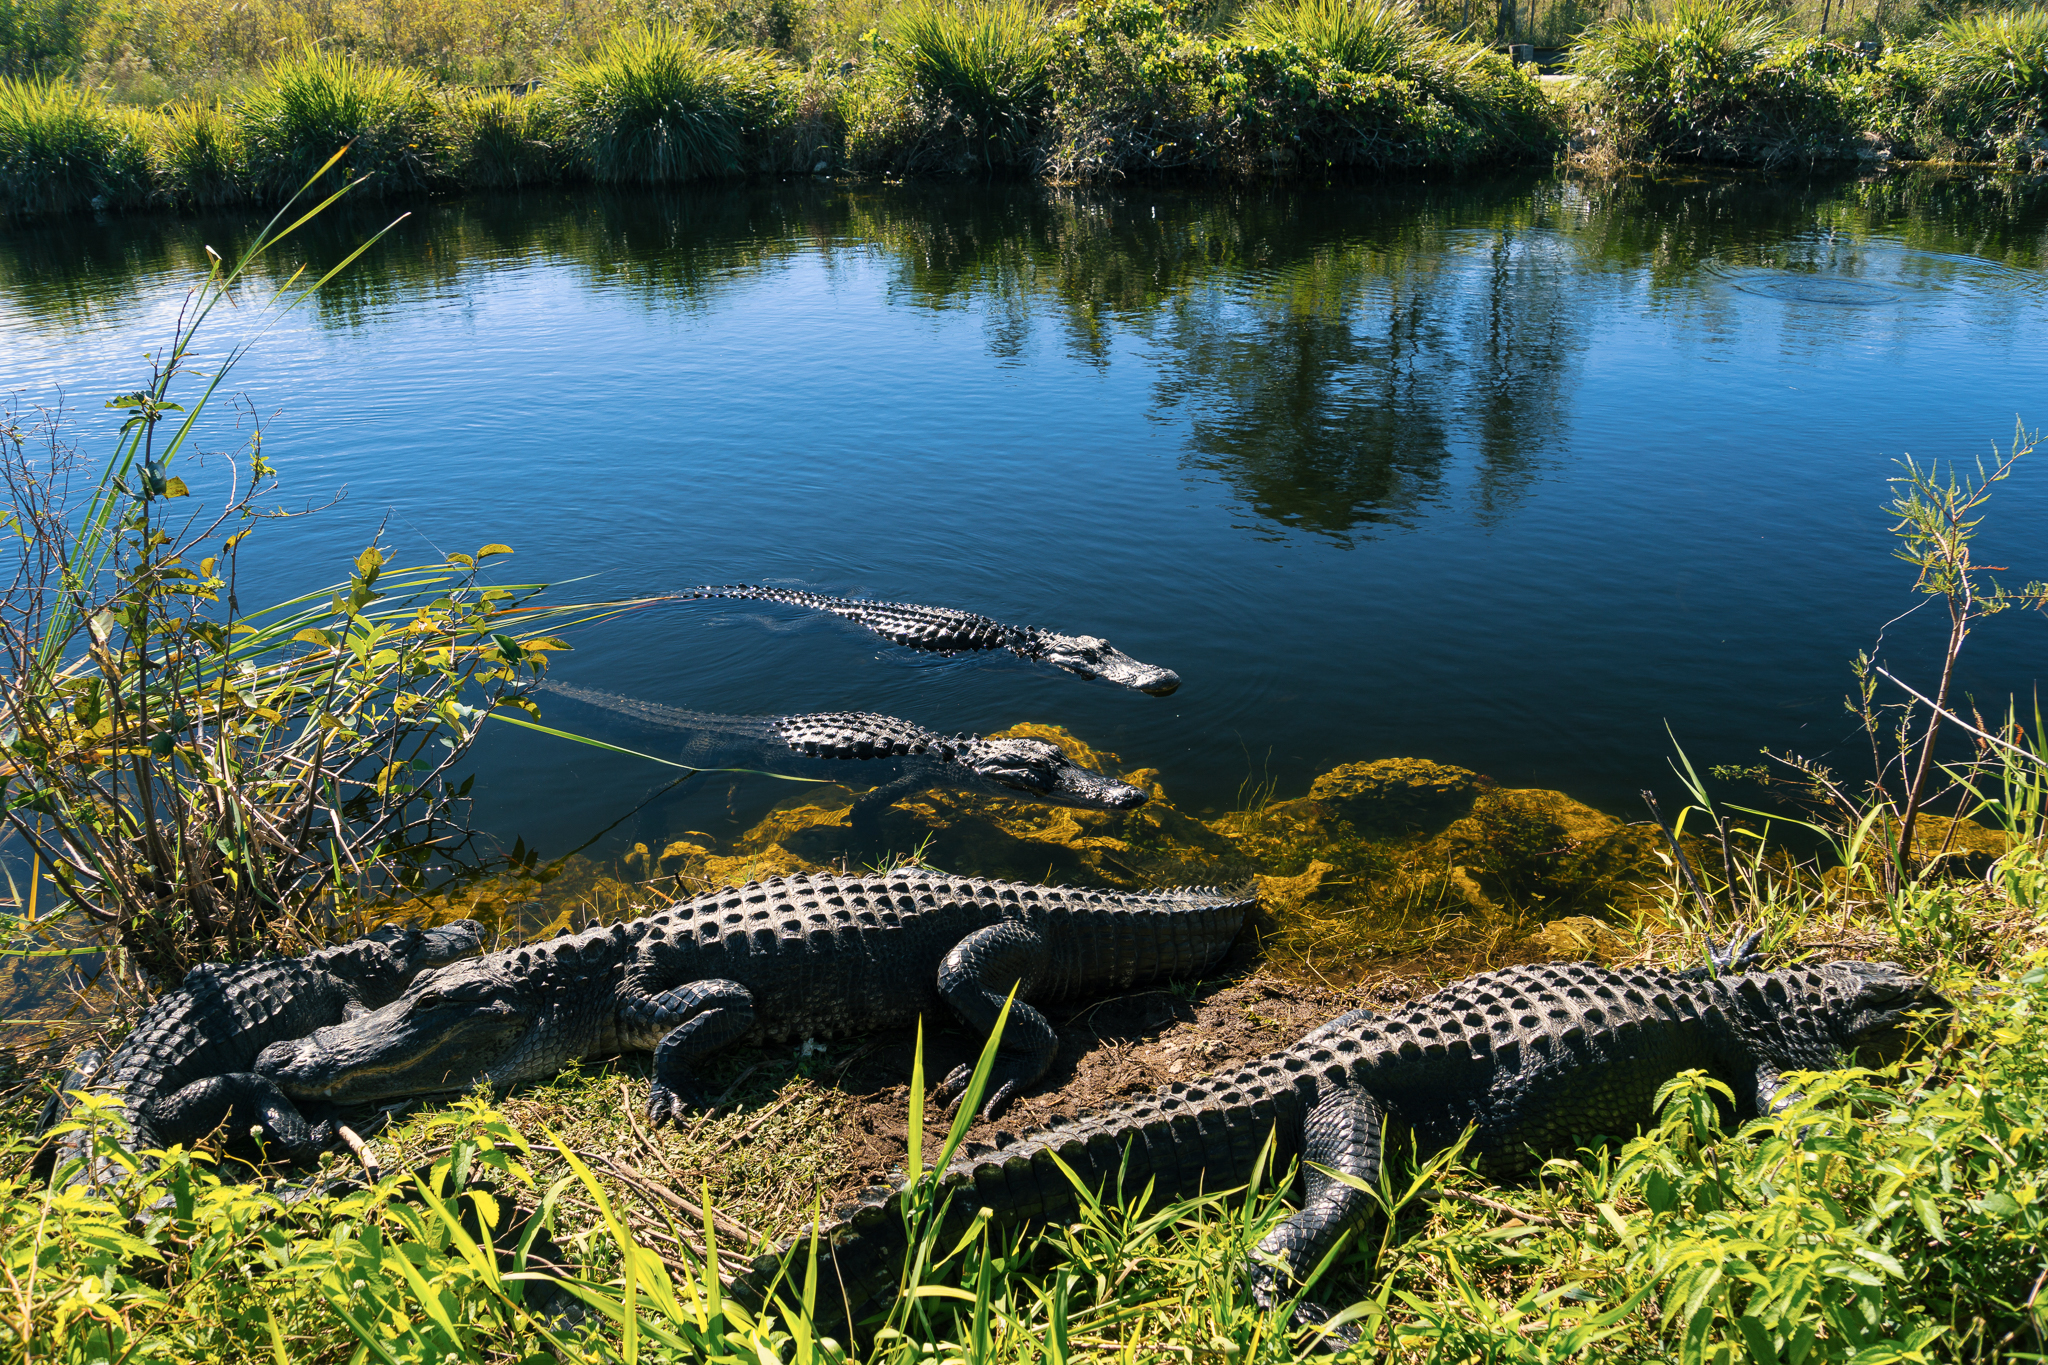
[(1383, 39), (978, 68), (1714, 81), (313, 105), (63, 149), (495, 142), (1138, 91), (43, 37), (1975, 88), (196, 156), (656, 106)]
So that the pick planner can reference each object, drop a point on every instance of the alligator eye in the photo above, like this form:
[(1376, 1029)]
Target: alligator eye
[(428, 1001)]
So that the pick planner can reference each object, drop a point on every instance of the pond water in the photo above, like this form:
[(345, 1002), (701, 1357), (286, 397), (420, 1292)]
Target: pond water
[(1505, 473)]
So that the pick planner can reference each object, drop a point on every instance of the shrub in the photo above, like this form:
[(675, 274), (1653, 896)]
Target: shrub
[(42, 37), (978, 67), (1138, 91), (1709, 83), (1976, 88), (496, 142), (656, 106), (195, 156), (310, 106), (1382, 39), (63, 149), (1135, 93)]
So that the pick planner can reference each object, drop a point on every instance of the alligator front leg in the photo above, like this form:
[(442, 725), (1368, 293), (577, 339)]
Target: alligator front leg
[(240, 1100), (976, 978), (691, 1022), (1341, 1134)]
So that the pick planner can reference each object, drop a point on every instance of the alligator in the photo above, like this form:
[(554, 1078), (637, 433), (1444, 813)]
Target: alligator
[(944, 630), (1031, 768), (1530, 1062), (186, 1067), (804, 956)]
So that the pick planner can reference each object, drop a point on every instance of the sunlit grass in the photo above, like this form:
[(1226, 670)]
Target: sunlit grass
[(311, 105), (63, 148)]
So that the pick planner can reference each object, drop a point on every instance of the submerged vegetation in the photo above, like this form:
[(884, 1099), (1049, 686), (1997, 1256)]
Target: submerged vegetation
[(1891, 1214)]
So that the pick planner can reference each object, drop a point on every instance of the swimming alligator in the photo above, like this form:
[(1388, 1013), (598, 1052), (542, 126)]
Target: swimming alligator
[(944, 630), (187, 1067), (1030, 768), (1532, 1061), (805, 956)]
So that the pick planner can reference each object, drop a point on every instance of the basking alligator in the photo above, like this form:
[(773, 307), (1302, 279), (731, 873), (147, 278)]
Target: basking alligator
[(1007, 767), (944, 630), (188, 1064), (785, 958), (1532, 1060)]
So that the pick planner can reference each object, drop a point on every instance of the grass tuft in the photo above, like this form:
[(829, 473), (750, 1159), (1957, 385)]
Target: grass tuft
[(196, 156), (64, 149), (983, 64), (495, 142), (1383, 39), (656, 106), (311, 105)]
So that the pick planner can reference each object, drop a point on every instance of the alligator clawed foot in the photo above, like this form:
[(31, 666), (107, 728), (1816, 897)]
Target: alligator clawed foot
[(951, 1090), (671, 1103)]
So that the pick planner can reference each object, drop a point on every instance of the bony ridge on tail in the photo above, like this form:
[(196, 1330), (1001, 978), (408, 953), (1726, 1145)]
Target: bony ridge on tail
[(1519, 1064), (790, 957), (945, 630)]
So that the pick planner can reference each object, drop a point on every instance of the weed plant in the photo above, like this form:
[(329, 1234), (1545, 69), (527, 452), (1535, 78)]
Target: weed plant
[(657, 106), (496, 140), (977, 69), (197, 158), (311, 106), (63, 149)]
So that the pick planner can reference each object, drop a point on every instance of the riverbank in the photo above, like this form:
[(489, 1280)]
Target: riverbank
[(1883, 1210), (1293, 89)]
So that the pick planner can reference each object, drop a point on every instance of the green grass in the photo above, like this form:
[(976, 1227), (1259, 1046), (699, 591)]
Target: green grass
[(981, 64), (196, 156), (63, 149), (1383, 39), (656, 106), (496, 141), (310, 106)]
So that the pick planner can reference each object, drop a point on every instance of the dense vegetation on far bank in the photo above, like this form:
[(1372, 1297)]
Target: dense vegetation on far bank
[(1105, 90)]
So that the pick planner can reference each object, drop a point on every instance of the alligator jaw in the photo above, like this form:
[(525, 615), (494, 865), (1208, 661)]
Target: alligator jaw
[(438, 1037), (1091, 656), (1041, 770)]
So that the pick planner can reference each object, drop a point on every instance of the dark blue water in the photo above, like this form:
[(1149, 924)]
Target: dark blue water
[(1507, 474)]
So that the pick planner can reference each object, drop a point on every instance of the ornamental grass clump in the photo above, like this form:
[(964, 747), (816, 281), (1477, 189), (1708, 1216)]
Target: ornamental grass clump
[(64, 149), (1975, 89), (656, 106), (1710, 81), (979, 68), (312, 105), (1384, 39), (495, 142), (196, 156)]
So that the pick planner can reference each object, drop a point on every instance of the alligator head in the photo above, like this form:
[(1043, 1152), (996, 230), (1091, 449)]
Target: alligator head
[(1875, 1007), (468, 1024), (1091, 656), (1042, 771)]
